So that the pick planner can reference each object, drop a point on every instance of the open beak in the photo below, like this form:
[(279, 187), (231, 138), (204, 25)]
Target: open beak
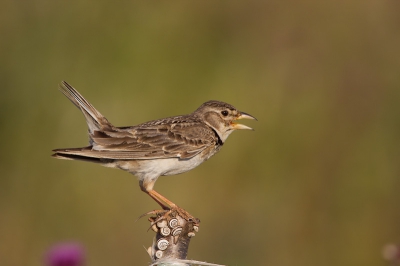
[(243, 115)]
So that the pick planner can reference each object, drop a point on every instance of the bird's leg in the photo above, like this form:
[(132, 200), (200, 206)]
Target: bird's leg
[(147, 187), (168, 206), (172, 207), (153, 194), (160, 198)]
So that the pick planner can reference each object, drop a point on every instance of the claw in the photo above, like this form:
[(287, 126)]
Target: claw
[(157, 220), (185, 215), (156, 212), (163, 215)]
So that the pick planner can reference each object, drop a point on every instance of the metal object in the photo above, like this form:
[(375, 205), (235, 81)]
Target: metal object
[(173, 223), (159, 254), (176, 231), (162, 244), (162, 223), (165, 231)]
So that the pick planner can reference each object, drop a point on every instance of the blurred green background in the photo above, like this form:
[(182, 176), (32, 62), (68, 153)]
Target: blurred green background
[(317, 183)]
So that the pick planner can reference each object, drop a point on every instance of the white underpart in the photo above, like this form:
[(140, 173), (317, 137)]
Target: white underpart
[(152, 169)]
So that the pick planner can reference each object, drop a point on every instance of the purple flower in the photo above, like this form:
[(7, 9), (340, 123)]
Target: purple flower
[(65, 254), (391, 252)]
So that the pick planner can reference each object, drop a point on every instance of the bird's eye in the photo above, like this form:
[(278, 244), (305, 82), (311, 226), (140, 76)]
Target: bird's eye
[(224, 113)]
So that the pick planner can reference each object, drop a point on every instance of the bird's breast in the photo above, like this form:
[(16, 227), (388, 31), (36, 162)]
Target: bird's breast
[(174, 166)]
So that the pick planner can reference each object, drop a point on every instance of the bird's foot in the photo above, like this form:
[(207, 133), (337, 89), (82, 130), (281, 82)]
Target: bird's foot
[(171, 213), (176, 210)]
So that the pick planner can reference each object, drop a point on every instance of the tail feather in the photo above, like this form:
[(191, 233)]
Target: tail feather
[(78, 154), (94, 119)]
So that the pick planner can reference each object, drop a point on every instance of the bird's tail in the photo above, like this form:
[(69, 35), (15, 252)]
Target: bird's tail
[(81, 154), (94, 119)]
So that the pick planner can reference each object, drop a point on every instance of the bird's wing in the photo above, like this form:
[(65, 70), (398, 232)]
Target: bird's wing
[(154, 140)]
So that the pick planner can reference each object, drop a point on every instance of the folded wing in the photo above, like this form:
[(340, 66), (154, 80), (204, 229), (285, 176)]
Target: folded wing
[(147, 141)]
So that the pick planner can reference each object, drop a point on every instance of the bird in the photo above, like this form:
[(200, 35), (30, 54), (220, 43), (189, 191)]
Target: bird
[(162, 147)]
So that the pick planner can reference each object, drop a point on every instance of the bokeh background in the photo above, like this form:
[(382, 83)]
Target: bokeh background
[(316, 183)]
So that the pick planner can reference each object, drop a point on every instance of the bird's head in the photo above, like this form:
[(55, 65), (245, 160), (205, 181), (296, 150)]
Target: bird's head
[(221, 117)]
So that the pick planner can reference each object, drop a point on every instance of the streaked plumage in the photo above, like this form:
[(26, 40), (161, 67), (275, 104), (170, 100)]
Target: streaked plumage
[(160, 147)]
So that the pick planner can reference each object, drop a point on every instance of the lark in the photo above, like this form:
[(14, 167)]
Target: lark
[(162, 147)]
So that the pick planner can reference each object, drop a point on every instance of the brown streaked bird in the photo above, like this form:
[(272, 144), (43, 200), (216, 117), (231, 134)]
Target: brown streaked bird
[(161, 147)]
